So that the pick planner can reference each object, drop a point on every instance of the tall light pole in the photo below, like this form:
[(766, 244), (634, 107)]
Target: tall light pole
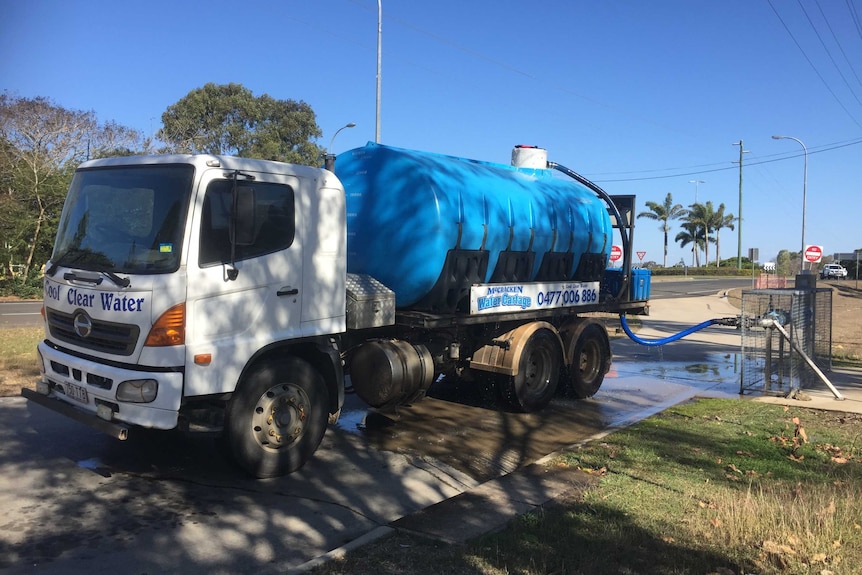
[(739, 215), (348, 125), (804, 193), (330, 157), (379, 44), (696, 183), (694, 239)]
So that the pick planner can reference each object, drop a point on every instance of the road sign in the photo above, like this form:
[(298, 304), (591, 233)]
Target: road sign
[(641, 255), (813, 254), (616, 253)]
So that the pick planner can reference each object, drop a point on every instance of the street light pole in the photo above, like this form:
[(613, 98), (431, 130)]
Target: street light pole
[(739, 215), (330, 157), (379, 44), (696, 182), (694, 240), (804, 193)]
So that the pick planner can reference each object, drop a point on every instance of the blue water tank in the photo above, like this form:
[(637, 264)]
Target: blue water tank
[(428, 225)]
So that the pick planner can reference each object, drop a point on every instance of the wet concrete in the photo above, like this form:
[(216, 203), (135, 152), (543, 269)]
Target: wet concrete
[(467, 426), (484, 440)]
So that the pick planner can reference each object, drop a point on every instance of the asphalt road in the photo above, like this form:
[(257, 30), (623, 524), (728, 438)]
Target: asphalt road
[(694, 287), (20, 314)]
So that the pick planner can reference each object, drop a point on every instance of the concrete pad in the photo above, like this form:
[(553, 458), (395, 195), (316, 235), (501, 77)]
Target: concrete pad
[(848, 383)]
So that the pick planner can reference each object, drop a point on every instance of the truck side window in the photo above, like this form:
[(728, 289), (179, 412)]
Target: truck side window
[(275, 222)]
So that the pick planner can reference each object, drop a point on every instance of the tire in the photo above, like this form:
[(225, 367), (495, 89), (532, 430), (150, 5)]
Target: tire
[(277, 417), (533, 387), (591, 360)]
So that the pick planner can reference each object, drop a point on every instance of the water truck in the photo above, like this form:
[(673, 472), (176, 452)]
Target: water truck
[(242, 295)]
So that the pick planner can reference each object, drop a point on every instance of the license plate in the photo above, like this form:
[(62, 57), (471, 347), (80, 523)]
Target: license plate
[(76, 392)]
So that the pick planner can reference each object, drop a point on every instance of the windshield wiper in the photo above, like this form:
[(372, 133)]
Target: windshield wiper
[(122, 282), (81, 253), (59, 261)]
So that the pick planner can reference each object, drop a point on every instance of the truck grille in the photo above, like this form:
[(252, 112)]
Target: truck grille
[(107, 337)]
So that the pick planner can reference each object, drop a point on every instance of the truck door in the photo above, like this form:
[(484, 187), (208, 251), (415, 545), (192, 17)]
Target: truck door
[(238, 303)]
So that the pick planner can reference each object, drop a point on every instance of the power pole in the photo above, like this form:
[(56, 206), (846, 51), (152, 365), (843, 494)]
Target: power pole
[(739, 214)]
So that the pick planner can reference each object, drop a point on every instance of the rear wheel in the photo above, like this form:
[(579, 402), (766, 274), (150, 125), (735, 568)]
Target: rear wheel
[(533, 387), (277, 417), (590, 362)]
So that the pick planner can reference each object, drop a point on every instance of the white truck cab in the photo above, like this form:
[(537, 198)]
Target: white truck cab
[(156, 297)]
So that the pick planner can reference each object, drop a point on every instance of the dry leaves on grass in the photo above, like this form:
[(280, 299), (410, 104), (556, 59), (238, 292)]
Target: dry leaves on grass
[(835, 453), (799, 432), (782, 555), (800, 438)]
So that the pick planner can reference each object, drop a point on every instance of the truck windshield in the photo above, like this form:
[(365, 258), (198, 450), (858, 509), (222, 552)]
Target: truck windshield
[(126, 219)]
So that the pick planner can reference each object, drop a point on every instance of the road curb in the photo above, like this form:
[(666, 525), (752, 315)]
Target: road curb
[(341, 552)]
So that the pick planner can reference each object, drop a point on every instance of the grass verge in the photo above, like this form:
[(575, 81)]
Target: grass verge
[(19, 364), (713, 486)]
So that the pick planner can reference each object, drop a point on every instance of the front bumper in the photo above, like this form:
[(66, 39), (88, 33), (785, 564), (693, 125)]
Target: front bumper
[(117, 430), (97, 384)]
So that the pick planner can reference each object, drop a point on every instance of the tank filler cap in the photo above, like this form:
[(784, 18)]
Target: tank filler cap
[(530, 157)]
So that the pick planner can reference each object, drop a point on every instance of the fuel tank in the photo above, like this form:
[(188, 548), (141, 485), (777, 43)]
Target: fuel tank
[(429, 225)]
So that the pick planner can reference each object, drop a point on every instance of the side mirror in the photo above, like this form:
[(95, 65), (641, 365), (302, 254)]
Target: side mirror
[(243, 228)]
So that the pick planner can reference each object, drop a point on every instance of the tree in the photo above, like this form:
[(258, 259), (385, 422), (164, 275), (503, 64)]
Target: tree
[(663, 213), (229, 119), (721, 220), (691, 234), (702, 219), (40, 144), (783, 263)]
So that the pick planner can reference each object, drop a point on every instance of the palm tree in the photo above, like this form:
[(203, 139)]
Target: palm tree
[(702, 219), (722, 220), (691, 234), (663, 213)]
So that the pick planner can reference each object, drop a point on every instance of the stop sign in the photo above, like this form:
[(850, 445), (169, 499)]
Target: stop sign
[(616, 253), (813, 254)]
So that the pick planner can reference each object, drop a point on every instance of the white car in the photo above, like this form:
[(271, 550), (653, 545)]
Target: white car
[(833, 271)]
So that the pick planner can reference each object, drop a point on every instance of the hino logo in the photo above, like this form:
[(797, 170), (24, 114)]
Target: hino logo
[(83, 325)]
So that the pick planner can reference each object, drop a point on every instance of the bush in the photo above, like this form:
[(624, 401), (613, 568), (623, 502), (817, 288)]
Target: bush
[(15, 287), (703, 271)]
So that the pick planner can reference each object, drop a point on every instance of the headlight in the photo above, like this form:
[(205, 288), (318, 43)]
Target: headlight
[(41, 362), (138, 390), (42, 384)]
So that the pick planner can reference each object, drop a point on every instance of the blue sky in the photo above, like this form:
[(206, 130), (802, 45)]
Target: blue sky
[(641, 97)]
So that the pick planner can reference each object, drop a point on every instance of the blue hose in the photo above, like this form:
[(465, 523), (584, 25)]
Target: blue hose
[(680, 335)]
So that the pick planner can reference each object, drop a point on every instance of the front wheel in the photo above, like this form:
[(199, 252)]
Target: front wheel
[(277, 417), (533, 387)]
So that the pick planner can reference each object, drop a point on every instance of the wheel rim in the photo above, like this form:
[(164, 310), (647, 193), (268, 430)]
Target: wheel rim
[(588, 362), (280, 416), (537, 373)]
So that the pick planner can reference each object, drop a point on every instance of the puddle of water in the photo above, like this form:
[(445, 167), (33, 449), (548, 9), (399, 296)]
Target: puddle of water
[(94, 464), (357, 420), (351, 420), (714, 371)]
